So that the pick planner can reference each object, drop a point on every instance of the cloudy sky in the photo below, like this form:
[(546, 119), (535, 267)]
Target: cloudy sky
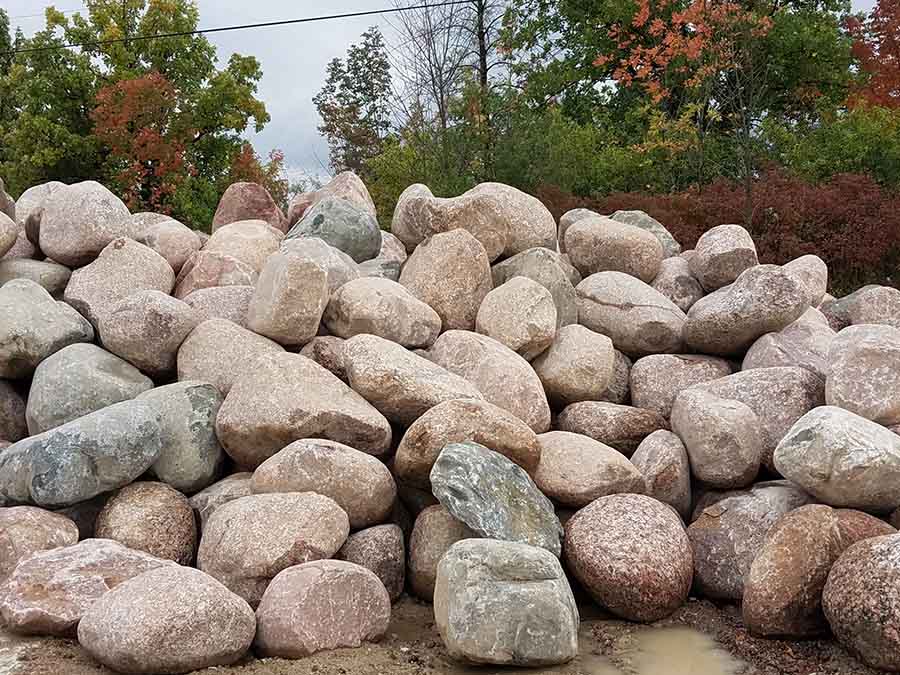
[(293, 59)]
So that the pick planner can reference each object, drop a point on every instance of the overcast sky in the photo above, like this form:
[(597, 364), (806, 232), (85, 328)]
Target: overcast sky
[(293, 59)]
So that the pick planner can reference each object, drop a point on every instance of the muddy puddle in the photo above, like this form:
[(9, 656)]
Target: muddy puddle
[(675, 651)]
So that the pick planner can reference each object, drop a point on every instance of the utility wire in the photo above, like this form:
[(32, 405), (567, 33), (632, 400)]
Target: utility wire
[(266, 24), (34, 16)]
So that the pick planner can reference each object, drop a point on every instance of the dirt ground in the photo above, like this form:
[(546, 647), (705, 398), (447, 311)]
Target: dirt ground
[(699, 639)]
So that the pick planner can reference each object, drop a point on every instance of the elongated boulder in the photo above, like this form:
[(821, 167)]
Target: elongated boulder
[(451, 273), (502, 376), (494, 497), (663, 461), (675, 281), (209, 269), (33, 326), (50, 591), (842, 459), (381, 550), (804, 343), (630, 552), (577, 366), (600, 244), (657, 379), (359, 483), (864, 372), (505, 603), (575, 470), (619, 426), (218, 351), (247, 541), (460, 420), (638, 319), (384, 308), (286, 397), (763, 299), (52, 276), (434, 532), (248, 201), (76, 381), (168, 620), (721, 254), (96, 453), (519, 314), (221, 302), (550, 270), (27, 529), (249, 241), (324, 604), (78, 221)]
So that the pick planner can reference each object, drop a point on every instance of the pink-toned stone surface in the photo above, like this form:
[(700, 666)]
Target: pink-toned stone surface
[(381, 550), (27, 529), (248, 201), (209, 269)]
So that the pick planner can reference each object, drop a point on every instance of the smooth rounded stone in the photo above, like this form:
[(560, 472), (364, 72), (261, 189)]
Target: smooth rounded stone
[(619, 426), (599, 244), (207, 501), (858, 525), (167, 620), (812, 272), (875, 305), (864, 372), (99, 452), (78, 380), (721, 436), (248, 201), (779, 397), (146, 329), (49, 592), (30, 208), (502, 376), (171, 239), (575, 470), (529, 222), (341, 224), (619, 390), (861, 600), (783, 590), (675, 281), (630, 552), (328, 352), (640, 219), (400, 384), (519, 314), (191, 456), (26, 529), (380, 550), (321, 605), (568, 219), (22, 249), (52, 276), (247, 541), (221, 302), (249, 241), (290, 297), (663, 462), (494, 497), (460, 420), (721, 255), (346, 185), (384, 308), (550, 270), (209, 269), (578, 366), (804, 343), (122, 269), (638, 319), (764, 299), (842, 459), (150, 517), (286, 397), (13, 426), (657, 379), (451, 273), (33, 326), (505, 603), (359, 483), (434, 532), (728, 534), (218, 351), (78, 221), (9, 232)]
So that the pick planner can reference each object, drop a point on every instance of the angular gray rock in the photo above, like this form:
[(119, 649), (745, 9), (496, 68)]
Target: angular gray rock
[(494, 497), (341, 224), (657, 379), (640, 219), (550, 270), (721, 255), (520, 314), (505, 603), (96, 453)]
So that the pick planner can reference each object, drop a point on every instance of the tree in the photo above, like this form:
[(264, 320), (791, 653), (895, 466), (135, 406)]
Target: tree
[(354, 103), (877, 46)]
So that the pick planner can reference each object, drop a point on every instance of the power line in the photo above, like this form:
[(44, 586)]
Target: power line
[(33, 16), (266, 24)]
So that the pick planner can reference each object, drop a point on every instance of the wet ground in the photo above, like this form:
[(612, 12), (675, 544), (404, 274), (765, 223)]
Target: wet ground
[(699, 639)]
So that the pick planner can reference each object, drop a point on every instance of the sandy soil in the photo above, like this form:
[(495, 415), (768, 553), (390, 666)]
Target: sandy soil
[(699, 639)]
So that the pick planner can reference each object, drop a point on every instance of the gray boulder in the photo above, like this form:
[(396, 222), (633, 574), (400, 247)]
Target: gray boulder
[(671, 247), (343, 225), (550, 270)]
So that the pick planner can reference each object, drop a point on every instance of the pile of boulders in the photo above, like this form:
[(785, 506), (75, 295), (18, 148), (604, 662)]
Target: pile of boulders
[(260, 438)]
